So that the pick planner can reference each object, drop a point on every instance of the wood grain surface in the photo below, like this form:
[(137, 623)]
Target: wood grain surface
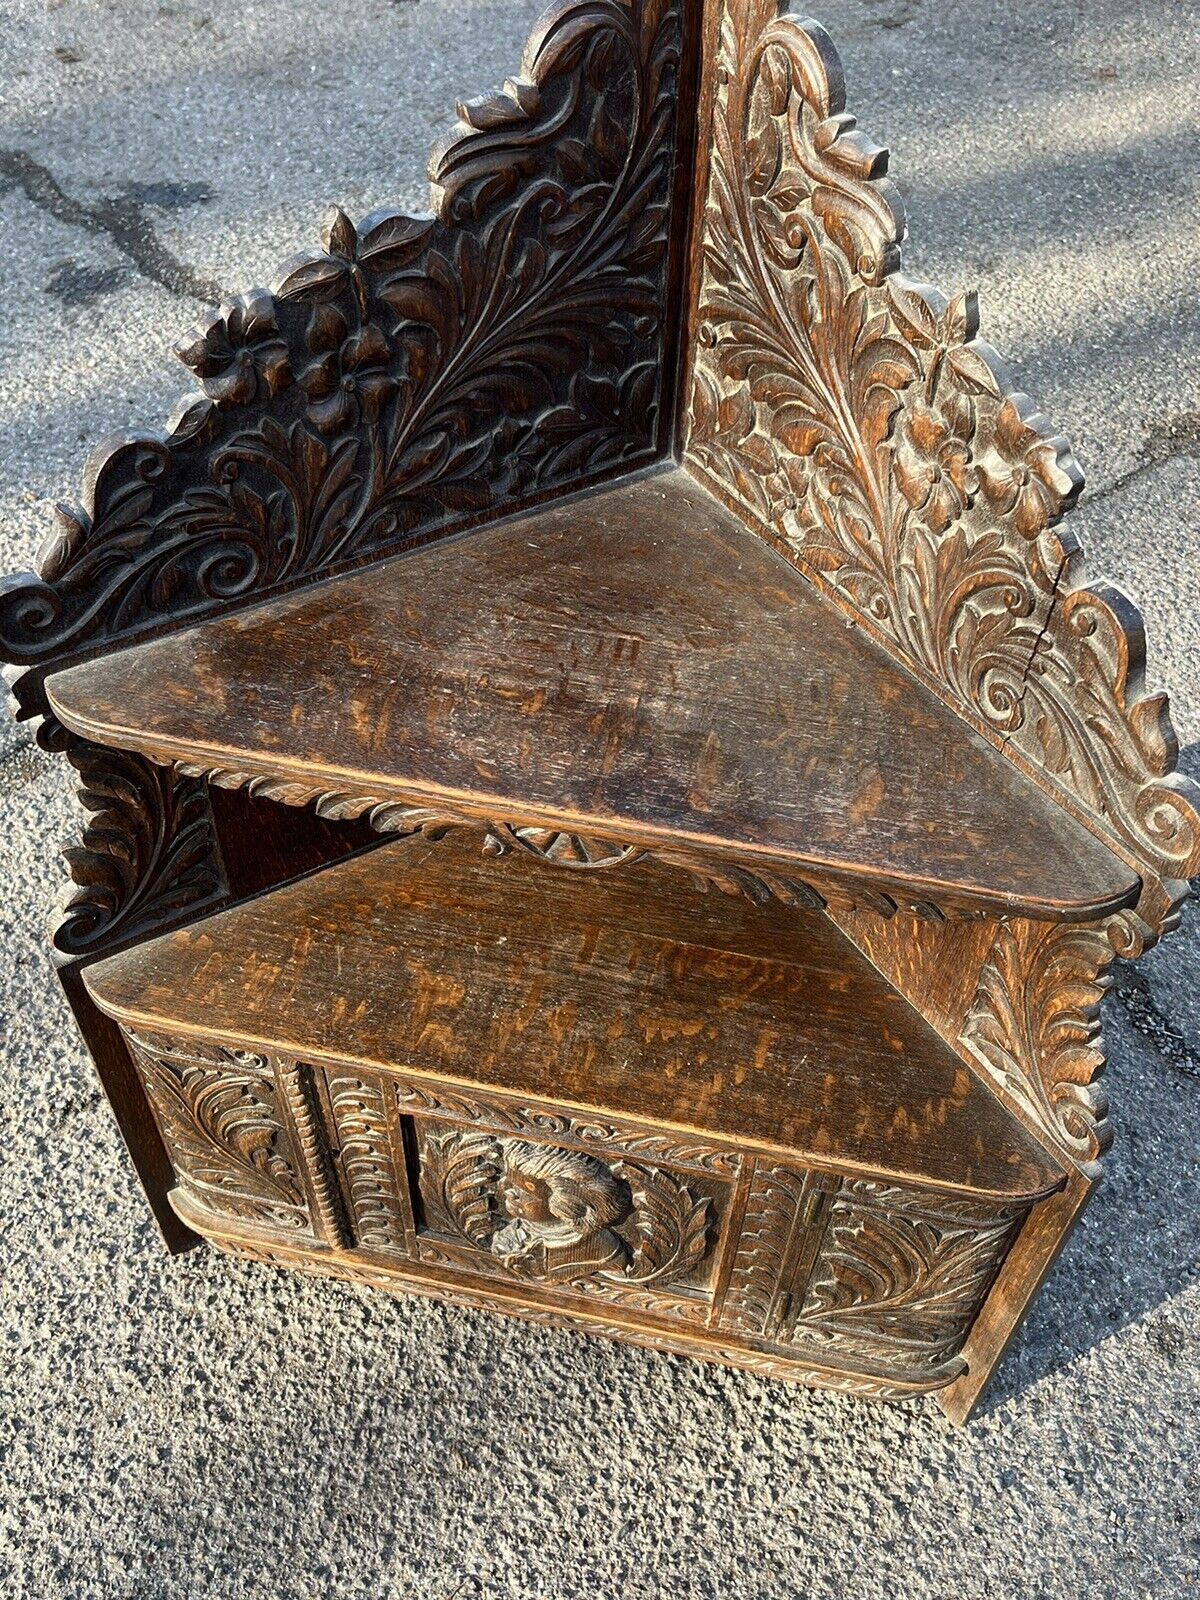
[(631, 663), (639, 997)]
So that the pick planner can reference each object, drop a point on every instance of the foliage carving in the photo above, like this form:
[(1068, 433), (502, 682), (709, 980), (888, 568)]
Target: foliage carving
[(416, 373), (861, 424)]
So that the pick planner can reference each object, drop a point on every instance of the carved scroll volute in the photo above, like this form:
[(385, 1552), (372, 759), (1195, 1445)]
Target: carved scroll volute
[(858, 422), (415, 373), (148, 854)]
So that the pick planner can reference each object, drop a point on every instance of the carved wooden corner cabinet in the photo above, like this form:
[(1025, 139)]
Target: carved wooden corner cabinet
[(607, 797)]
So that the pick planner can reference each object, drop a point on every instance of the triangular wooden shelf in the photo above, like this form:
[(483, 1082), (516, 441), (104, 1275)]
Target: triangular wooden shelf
[(811, 1056), (630, 666), (632, 511)]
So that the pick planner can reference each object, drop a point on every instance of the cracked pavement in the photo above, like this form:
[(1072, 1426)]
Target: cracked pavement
[(202, 1428)]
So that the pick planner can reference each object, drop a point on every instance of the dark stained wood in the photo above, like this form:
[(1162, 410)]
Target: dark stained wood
[(633, 664), (126, 1094), (263, 844), (416, 374), (841, 658), (431, 958)]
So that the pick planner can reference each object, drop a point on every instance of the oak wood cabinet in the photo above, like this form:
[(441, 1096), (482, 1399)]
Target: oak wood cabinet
[(608, 795)]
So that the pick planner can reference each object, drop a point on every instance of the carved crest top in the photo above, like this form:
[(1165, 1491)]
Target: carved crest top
[(415, 374), (857, 421)]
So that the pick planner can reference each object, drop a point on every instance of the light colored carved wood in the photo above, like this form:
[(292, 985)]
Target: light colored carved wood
[(856, 420)]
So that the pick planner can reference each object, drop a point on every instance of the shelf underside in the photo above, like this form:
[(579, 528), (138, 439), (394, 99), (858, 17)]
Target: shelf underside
[(632, 665), (626, 993)]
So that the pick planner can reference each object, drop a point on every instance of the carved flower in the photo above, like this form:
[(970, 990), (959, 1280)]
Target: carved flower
[(235, 349), (933, 461), (1021, 475), (350, 373), (793, 486)]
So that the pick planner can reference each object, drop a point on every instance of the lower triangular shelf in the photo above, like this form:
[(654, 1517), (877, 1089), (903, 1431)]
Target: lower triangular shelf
[(591, 1097), (621, 991)]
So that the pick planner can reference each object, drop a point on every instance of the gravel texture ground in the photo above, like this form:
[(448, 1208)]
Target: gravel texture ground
[(201, 1428)]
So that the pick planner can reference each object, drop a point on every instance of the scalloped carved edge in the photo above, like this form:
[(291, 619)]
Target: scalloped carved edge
[(415, 374), (573, 851), (855, 419)]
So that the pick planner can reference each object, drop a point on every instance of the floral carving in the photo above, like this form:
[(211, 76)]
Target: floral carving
[(933, 467), (862, 426), (225, 1130), (148, 853), (236, 353), (559, 1216), (414, 373)]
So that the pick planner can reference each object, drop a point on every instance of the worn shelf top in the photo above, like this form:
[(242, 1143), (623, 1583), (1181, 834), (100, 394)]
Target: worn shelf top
[(631, 664), (513, 976)]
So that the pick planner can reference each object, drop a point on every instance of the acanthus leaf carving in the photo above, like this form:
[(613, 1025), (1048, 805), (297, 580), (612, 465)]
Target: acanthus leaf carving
[(148, 852), (859, 422), (412, 374), (900, 1275), (222, 1121), (1034, 1025)]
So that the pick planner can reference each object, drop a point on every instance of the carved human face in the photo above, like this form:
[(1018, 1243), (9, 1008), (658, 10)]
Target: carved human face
[(526, 1197)]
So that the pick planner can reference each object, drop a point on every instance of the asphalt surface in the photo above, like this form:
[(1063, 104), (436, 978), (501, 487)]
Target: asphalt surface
[(201, 1428)]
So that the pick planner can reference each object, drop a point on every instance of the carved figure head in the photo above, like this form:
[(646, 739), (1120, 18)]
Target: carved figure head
[(559, 1197)]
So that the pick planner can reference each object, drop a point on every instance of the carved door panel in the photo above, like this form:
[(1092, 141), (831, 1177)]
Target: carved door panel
[(590, 1222), (223, 1119), (899, 1277), (855, 1272)]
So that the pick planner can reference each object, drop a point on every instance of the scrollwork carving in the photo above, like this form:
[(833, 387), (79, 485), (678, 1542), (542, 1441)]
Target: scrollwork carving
[(417, 371), (858, 421), (148, 852)]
